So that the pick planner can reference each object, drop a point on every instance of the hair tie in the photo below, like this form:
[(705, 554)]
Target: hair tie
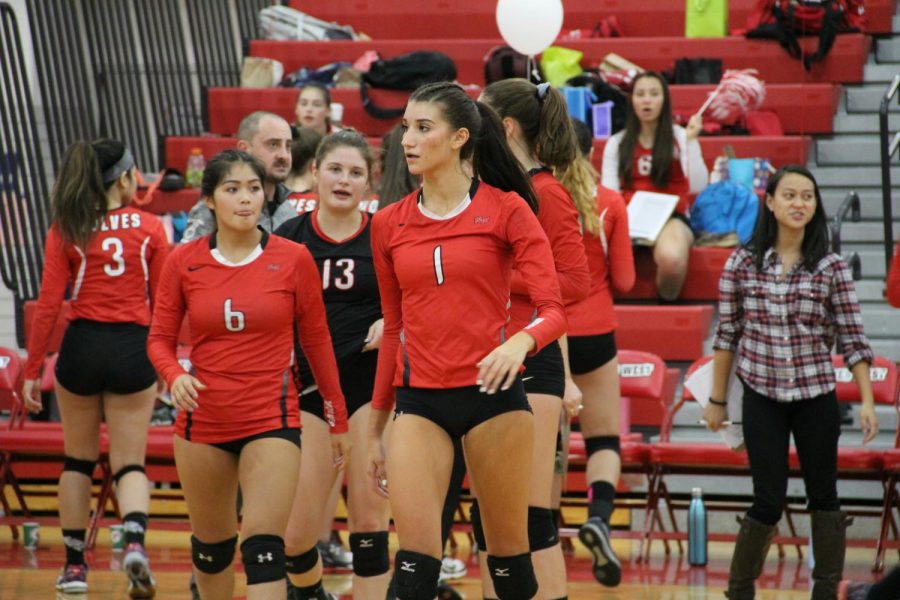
[(542, 90)]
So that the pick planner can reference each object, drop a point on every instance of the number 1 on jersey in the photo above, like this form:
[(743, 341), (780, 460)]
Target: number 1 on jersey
[(234, 319), (438, 266)]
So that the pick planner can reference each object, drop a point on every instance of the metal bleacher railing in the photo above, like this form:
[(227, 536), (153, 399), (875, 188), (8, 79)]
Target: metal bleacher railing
[(850, 205), (131, 70), (888, 149)]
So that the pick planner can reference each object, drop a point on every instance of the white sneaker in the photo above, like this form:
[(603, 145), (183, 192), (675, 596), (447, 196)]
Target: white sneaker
[(452, 568)]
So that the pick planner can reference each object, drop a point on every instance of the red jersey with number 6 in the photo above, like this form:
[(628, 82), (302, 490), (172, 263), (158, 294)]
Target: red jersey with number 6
[(111, 278), (242, 318), (445, 282)]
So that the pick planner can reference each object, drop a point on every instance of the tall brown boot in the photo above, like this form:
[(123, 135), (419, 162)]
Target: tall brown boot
[(750, 549), (829, 543)]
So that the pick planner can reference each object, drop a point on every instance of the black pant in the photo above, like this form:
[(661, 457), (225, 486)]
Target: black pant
[(768, 425)]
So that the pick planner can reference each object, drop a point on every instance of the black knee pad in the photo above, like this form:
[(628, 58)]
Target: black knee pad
[(602, 442), (370, 553), (542, 530), (513, 577), (79, 465), (263, 558), (212, 558), (477, 529), (127, 469), (417, 575), (303, 562)]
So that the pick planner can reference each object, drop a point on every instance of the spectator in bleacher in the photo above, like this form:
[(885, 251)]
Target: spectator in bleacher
[(540, 135), (444, 257), (314, 108), (652, 154), (783, 300), (244, 292), (893, 279), (267, 138), (112, 256), (337, 235), (396, 180), (592, 346), (301, 180)]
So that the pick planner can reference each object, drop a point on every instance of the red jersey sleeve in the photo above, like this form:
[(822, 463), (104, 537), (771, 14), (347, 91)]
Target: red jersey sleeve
[(168, 312), (57, 274), (534, 263), (893, 279), (389, 288), (559, 220), (156, 260), (621, 254), (315, 340)]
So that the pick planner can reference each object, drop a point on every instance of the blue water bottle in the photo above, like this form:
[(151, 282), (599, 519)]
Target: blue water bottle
[(697, 529)]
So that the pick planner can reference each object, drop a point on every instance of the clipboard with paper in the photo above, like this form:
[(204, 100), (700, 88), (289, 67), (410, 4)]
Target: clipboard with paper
[(700, 385)]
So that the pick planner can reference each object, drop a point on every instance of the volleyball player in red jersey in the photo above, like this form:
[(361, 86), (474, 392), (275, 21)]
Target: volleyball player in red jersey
[(444, 257), (337, 234), (111, 256), (243, 290), (592, 347), (652, 154), (540, 135)]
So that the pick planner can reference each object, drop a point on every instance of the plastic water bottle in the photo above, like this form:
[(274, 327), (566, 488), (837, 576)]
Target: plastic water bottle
[(193, 174), (697, 529)]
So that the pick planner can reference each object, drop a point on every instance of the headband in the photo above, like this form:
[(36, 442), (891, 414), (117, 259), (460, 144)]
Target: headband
[(115, 171)]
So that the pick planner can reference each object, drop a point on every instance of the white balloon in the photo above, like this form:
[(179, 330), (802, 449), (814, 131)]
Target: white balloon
[(529, 26)]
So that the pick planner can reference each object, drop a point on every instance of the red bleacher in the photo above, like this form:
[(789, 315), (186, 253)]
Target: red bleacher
[(843, 64), (444, 18), (674, 332), (702, 282), (802, 108)]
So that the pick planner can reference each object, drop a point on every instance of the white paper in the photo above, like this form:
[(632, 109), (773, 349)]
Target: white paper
[(648, 213), (700, 385)]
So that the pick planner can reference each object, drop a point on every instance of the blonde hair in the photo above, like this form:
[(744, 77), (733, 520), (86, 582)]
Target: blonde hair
[(580, 179)]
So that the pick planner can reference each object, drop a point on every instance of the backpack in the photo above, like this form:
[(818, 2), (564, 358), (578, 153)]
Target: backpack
[(285, 23), (325, 75), (405, 72), (784, 20), (725, 207), (502, 62)]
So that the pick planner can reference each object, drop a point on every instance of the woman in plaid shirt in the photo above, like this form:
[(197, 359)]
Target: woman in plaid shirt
[(783, 299)]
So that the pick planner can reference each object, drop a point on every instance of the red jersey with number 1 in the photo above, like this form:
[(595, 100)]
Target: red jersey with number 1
[(242, 320), (111, 278), (444, 284)]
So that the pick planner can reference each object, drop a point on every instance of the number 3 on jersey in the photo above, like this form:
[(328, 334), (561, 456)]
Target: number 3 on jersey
[(234, 319), (114, 245)]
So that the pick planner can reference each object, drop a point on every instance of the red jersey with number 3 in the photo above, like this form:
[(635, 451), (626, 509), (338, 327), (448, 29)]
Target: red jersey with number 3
[(242, 320), (111, 278), (445, 281)]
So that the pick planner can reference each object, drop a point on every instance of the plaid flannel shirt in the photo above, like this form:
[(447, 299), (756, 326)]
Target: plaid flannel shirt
[(783, 330)]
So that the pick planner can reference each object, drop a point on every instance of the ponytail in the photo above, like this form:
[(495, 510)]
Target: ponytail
[(494, 163), (78, 199), (580, 180)]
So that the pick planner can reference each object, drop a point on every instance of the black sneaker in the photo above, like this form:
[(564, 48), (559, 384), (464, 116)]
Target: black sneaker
[(595, 536)]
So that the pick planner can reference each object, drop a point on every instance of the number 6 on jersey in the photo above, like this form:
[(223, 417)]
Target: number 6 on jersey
[(234, 319)]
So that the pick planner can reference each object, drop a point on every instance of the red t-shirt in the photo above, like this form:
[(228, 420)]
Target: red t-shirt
[(640, 173), (242, 320), (614, 265), (111, 279), (444, 286), (893, 279), (559, 220)]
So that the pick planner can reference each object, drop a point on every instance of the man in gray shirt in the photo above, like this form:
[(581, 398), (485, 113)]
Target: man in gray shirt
[(267, 137)]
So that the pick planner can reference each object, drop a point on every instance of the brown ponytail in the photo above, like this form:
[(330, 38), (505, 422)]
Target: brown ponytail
[(78, 199)]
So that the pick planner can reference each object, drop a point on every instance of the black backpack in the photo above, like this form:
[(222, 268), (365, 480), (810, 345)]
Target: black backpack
[(404, 72)]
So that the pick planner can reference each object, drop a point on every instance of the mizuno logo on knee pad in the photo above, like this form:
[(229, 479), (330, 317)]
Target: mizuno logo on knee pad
[(267, 557), (501, 572), (408, 566), (201, 556)]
